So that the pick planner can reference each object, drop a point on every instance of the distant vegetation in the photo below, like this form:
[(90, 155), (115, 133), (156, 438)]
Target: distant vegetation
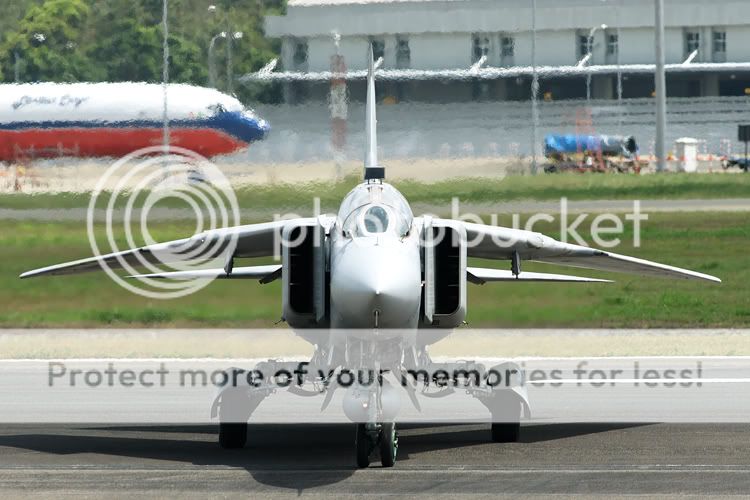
[(121, 40)]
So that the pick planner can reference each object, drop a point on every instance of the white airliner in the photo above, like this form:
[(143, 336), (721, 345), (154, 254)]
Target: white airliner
[(87, 120), (372, 268)]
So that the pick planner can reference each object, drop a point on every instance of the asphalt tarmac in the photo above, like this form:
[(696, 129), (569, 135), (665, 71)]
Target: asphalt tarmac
[(580, 460)]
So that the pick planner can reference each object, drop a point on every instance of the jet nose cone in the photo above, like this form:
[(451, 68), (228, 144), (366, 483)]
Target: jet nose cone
[(375, 286)]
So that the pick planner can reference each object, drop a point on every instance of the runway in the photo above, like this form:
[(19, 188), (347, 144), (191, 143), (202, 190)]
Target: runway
[(448, 460)]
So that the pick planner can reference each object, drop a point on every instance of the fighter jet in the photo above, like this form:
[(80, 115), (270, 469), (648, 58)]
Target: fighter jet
[(372, 268)]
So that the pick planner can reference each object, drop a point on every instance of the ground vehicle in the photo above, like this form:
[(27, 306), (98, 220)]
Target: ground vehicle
[(590, 153)]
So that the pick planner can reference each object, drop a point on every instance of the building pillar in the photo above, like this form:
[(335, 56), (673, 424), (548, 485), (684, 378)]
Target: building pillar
[(711, 85)]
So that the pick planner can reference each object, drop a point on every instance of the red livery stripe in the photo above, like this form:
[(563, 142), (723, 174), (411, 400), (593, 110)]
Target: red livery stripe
[(27, 144)]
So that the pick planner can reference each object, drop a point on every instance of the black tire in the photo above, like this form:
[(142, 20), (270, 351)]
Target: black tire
[(232, 435), (506, 432), (388, 444), (362, 443), (233, 416), (506, 423)]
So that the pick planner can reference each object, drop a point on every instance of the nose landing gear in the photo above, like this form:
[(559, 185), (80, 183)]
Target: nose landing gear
[(381, 435)]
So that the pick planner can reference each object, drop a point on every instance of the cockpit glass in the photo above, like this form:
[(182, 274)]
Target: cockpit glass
[(374, 209), (376, 219), (217, 109)]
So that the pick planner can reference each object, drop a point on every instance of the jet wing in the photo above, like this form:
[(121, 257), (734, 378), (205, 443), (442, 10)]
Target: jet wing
[(265, 274), (500, 243), (253, 240), (480, 276)]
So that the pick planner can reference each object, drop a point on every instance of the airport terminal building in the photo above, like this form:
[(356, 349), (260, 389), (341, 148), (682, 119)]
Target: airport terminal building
[(437, 35)]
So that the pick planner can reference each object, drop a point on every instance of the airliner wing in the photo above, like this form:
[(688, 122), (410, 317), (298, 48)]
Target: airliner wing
[(253, 240), (500, 243)]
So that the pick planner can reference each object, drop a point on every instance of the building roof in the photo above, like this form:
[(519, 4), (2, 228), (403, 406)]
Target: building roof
[(318, 18), (321, 3)]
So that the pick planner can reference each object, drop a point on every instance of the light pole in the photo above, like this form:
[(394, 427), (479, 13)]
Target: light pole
[(237, 35), (589, 55), (37, 39), (211, 61), (661, 88), (619, 70), (165, 76), (17, 66), (534, 90), (229, 35)]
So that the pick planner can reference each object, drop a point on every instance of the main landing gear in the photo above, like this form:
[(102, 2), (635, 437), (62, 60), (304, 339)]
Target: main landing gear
[(370, 436)]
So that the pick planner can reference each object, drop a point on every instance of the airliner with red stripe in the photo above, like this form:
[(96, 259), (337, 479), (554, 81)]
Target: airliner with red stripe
[(49, 120)]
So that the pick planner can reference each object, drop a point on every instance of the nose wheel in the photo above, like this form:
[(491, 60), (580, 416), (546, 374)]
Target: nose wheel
[(383, 436)]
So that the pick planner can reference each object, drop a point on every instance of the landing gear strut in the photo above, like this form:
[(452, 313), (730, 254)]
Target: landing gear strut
[(383, 436)]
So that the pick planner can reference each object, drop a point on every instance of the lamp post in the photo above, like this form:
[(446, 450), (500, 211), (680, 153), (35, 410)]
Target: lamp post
[(166, 141), (229, 35), (661, 88), (16, 66), (211, 61), (534, 90), (619, 69), (237, 35), (37, 39), (589, 55)]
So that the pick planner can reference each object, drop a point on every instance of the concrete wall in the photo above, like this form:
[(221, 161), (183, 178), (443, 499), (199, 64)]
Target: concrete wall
[(440, 50), (738, 43)]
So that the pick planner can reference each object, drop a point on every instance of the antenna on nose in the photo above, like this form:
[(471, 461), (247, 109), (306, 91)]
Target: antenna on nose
[(373, 171)]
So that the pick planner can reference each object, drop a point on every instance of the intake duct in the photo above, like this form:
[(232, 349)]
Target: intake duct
[(305, 277), (444, 273)]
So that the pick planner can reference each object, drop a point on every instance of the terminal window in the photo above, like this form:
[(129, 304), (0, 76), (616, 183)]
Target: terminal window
[(508, 46), (612, 42), (300, 55), (692, 42), (403, 52), (481, 47), (719, 45), (584, 45), (378, 48)]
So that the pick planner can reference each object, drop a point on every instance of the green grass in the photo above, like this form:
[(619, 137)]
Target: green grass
[(468, 190), (715, 243)]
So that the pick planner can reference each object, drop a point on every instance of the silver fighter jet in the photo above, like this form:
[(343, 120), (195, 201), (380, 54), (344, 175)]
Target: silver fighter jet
[(371, 269)]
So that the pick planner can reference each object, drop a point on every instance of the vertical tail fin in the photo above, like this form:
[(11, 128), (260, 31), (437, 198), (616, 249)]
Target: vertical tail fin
[(372, 169)]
